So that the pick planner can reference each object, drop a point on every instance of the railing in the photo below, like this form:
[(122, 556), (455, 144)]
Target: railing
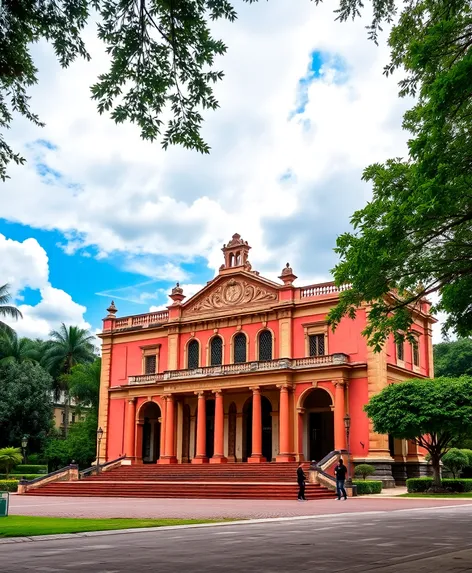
[(142, 320), (241, 368), (322, 289), (92, 469)]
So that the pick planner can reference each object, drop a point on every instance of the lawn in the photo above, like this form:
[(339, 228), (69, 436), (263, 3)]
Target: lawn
[(27, 526), (467, 495)]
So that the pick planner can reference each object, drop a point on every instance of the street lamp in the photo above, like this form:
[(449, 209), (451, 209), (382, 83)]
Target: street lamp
[(24, 445), (99, 439), (347, 426)]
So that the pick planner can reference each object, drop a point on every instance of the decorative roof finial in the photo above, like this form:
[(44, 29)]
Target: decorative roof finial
[(287, 276), (177, 294), (112, 310)]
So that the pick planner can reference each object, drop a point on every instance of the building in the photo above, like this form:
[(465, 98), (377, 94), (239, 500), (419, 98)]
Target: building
[(247, 370), (59, 403)]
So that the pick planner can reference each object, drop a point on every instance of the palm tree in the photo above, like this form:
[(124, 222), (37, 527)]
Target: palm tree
[(7, 310), (84, 384), (68, 347), (14, 349), (9, 458)]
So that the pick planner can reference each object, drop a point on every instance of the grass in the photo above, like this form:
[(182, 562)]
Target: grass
[(467, 495), (28, 526)]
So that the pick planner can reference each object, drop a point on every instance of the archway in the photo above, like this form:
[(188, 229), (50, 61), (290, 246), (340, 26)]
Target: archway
[(318, 424), (150, 414), (210, 428), (232, 432), (266, 410)]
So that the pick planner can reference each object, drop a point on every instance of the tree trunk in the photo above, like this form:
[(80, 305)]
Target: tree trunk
[(66, 412), (436, 463)]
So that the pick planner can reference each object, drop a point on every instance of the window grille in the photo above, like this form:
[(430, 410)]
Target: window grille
[(265, 345), (216, 351), (193, 355), (150, 364), (240, 344), (416, 354), (317, 344), (400, 352)]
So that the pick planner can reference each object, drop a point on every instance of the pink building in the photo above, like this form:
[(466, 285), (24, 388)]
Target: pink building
[(247, 370)]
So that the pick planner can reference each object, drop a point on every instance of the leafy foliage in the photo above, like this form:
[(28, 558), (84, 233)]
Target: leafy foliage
[(17, 349), (6, 310), (162, 56), (364, 470), (432, 413), (368, 487), (453, 358), (10, 485), (9, 458), (422, 485), (84, 384), (415, 235), (25, 404), (454, 461)]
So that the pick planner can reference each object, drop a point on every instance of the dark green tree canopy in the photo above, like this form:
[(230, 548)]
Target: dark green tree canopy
[(161, 52), (433, 413), (453, 359)]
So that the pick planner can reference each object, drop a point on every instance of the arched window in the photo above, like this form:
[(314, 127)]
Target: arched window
[(193, 354), (265, 345), (216, 351), (239, 348)]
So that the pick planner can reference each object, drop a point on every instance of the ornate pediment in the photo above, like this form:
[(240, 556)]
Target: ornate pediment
[(234, 292)]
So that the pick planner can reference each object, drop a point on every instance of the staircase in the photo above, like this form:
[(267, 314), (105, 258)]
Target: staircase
[(225, 481)]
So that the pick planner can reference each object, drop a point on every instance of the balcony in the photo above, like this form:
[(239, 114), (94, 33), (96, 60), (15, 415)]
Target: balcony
[(241, 368), (322, 290), (143, 320)]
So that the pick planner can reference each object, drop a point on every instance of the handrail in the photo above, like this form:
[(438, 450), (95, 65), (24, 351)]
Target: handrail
[(55, 472), (91, 469)]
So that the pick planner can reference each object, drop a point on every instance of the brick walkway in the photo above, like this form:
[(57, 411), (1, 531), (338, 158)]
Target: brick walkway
[(201, 508)]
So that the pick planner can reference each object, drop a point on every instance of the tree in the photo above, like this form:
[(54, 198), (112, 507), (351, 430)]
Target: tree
[(17, 349), (68, 347), (431, 413), (84, 384), (9, 458), (25, 404), (455, 461), (415, 237), (161, 52), (6, 310), (364, 470), (453, 358)]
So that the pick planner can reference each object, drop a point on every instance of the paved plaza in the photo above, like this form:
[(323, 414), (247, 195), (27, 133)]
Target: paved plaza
[(403, 541), (204, 508)]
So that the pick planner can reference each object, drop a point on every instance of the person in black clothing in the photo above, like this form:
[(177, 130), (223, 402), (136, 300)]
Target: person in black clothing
[(301, 477), (340, 472)]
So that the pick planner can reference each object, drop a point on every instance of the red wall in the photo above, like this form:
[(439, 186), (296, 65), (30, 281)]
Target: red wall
[(116, 424), (127, 359)]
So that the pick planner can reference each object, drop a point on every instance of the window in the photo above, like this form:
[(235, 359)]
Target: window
[(240, 344), (150, 364), (416, 353), (400, 352), (193, 354), (316, 344), (265, 345), (216, 351)]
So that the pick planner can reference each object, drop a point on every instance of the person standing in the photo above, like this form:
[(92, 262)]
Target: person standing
[(340, 472), (301, 478)]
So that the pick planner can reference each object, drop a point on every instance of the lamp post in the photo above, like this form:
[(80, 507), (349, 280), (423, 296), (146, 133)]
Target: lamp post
[(99, 440), (347, 426), (24, 445)]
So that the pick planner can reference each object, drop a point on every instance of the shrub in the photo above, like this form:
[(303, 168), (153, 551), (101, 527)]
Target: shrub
[(457, 485), (9, 458), (364, 470), (38, 459), (10, 485), (28, 477), (422, 485), (418, 485), (30, 469), (454, 461), (368, 487)]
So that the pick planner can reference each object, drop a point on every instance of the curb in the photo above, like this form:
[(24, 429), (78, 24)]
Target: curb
[(104, 533)]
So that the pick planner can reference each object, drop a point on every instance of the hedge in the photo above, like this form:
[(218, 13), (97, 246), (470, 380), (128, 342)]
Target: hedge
[(30, 469), (421, 485), (21, 476), (365, 487), (9, 485)]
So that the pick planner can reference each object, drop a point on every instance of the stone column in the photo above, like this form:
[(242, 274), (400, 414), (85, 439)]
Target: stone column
[(130, 428), (339, 413), (285, 455), (169, 457), (256, 456), (162, 449), (218, 451), (200, 457)]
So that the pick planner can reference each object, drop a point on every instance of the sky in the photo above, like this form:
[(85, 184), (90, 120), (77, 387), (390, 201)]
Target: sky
[(98, 214)]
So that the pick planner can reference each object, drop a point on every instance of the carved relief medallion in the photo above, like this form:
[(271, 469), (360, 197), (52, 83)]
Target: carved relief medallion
[(234, 293)]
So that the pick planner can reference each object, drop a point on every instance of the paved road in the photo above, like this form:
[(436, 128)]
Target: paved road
[(419, 541), (208, 508)]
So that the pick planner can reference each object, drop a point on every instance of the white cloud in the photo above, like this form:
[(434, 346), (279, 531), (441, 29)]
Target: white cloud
[(189, 290), (25, 265)]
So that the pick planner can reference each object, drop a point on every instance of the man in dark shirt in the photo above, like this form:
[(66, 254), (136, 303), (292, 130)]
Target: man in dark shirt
[(340, 472), (301, 477)]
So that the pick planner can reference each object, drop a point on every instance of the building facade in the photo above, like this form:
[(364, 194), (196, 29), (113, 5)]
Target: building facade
[(247, 370)]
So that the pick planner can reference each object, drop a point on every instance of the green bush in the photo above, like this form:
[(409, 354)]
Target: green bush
[(9, 485), (36, 459), (22, 476), (368, 486), (30, 469), (364, 470), (422, 485), (455, 461)]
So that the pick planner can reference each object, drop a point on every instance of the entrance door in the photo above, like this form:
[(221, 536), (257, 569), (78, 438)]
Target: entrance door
[(210, 428), (266, 429), (321, 434)]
